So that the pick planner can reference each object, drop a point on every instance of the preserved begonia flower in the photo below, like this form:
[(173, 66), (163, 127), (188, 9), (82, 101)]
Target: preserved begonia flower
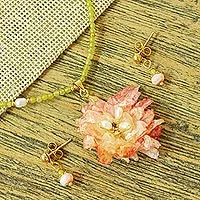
[(120, 127)]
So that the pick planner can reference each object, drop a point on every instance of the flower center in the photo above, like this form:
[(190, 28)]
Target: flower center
[(115, 127)]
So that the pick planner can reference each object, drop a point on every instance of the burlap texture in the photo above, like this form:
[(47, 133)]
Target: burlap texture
[(33, 33)]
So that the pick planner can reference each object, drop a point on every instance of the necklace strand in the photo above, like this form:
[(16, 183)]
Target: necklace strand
[(21, 102)]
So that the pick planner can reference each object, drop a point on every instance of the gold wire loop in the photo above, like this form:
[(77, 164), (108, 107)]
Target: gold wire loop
[(53, 152), (139, 46), (57, 155), (52, 146), (146, 51), (146, 63), (84, 93)]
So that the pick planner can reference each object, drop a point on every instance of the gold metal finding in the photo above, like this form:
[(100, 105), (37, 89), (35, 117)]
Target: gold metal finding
[(78, 85), (143, 52), (53, 152)]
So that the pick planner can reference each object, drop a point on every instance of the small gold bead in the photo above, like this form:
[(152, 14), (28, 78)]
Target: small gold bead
[(44, 157), (152, 71), (70, 184), (137, 58), (60, 172)]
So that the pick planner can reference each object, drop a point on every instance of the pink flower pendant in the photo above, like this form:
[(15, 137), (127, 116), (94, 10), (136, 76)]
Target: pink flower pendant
[(120, 127)]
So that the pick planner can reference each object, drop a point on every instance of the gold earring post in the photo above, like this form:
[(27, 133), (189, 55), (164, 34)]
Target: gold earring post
[(148, 39), (59, 147)]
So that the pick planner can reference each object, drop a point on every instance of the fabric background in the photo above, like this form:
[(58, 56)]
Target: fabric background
[(33, 33)]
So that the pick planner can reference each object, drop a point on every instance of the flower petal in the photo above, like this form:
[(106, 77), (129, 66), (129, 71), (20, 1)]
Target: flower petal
[(156, 132), (144, 103), (152, 153), (103, 156), (127, 97), (150, 147), (92, 117), (137, 112), (89, 142), (153, 124), (148, 116), (140, 128), (120, 127), (97, 105)]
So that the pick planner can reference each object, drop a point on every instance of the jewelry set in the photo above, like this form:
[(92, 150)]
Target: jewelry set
[(118, 128)]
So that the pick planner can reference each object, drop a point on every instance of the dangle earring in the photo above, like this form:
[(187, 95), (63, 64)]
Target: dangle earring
[(141, 55), (51, 155)]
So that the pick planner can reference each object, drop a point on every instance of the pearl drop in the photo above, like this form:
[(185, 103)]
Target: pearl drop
[(106, 124), (158, 79), (66, 179), (123, 126), (20, 102), (118, 113)]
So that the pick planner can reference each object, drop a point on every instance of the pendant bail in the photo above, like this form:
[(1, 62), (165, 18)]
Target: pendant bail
[(78, 85)]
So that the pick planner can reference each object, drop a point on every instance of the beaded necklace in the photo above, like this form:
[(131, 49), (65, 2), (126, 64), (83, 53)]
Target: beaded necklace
[(120, 127), (78, 85)]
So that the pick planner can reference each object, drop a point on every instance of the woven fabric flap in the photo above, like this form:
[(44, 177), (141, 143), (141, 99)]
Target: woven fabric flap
[(33, 33)]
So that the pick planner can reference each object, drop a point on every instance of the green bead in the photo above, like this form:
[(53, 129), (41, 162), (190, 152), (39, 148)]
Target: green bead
[(44, 97), (3, 104), (87, 62), (67, 90), (90, 51), (92, 26), (91, 46), (92, 34), (39, 99), (32, 100), (90, 56), (82, 79), (9, 104), (50, 96), (62, 91), (56, 93)]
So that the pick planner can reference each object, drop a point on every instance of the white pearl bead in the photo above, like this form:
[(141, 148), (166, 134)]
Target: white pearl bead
[(158, 79), (123, 126), (66, 179), (118, 113), (106, 124), (20, 102)]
